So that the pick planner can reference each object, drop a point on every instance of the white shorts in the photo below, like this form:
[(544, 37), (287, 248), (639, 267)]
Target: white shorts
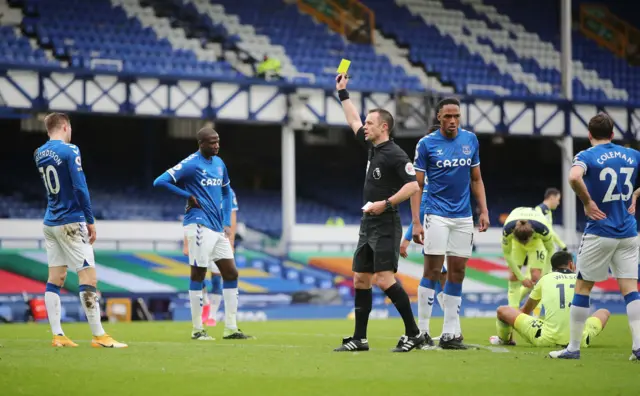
[(446, 236), (206, 246), (596, 254), (68, 246)]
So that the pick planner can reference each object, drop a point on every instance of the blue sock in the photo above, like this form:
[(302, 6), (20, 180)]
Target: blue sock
[(428, 283), (52, 288), (452, 300), (580, 300), (195, 285), (230, 284), (578, 314), (453, 289), (87, 288), (438, 288), (628, 299), (216, 284)]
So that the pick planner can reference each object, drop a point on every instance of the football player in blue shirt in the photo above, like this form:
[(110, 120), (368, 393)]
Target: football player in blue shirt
[(408, 236), (450, 159), (604, 177), (202, 179), (212, 302), (69, 230)]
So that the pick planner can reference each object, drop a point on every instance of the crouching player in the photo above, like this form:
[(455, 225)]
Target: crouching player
[(555, 290), (526, 240)]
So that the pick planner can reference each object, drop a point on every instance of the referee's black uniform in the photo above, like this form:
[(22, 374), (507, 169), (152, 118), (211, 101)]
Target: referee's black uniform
[(388, 169)]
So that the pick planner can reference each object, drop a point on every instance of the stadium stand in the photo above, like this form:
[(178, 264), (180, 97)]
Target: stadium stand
[(498, 48), (480, 49)]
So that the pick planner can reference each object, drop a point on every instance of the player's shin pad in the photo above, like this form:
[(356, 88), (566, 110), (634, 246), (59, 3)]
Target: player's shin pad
[(513, 294)]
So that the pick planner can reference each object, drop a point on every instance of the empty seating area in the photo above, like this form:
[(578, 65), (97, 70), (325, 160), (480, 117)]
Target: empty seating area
[(496, 47), (480, 45), (116, 36), (312, 47)]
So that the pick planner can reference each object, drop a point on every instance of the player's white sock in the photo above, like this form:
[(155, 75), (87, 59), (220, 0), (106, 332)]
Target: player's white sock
[(579, 313), (426, 293), (54, 308), (205, 296), (195, 299), (452, 302), (230, 295), (440, 298), (633, 313), (216, 300), (458, 325), (91, 306), (451, 317)]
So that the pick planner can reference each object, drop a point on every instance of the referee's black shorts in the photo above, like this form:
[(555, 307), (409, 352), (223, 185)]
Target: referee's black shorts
[(379, 243)]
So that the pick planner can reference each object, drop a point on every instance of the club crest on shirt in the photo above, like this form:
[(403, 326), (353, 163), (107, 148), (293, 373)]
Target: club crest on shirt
[(466, 150), (410, 169), (220, 171), (377, 174)]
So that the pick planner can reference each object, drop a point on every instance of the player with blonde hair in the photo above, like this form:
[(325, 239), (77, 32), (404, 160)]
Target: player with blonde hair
[(69, 230)]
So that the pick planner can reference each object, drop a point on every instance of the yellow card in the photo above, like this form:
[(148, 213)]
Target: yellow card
[(344, 66)]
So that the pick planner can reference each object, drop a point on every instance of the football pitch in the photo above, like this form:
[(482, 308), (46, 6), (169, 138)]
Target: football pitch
[(296, 358)]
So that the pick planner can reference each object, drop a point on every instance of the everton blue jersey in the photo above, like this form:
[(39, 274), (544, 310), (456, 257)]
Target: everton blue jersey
[(610, 177), (447, 165), (204, 179), (60, 168), (234, 201)]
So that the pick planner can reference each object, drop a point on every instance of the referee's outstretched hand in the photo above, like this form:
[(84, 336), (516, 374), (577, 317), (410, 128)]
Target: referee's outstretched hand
[(341, 81), (418, 235)]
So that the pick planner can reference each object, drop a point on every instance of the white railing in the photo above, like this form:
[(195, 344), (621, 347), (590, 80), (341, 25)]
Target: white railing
[(484, 87), (106, 62)]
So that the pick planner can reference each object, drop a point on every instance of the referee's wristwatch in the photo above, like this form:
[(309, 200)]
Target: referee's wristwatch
[(388, 205)]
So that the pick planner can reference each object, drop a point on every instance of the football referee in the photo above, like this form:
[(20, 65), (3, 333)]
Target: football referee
[(390, 180)]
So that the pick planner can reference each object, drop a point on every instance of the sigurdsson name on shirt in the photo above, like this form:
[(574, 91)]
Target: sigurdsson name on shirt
[(49, 153)]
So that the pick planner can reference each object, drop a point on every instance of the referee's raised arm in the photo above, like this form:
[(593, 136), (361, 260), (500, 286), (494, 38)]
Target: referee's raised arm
[(350, 111)]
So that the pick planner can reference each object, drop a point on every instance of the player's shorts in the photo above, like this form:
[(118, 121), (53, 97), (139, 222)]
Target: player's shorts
[(379, 243), (206, 246), (536, 331), (447, 236), (534, 255), (68, 246), (596, 254)]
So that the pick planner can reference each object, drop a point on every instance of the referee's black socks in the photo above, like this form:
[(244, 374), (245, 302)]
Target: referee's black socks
[(400, 299), (363, 303)]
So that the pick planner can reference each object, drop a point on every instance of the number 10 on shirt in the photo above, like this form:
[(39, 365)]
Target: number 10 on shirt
[(50, 178)]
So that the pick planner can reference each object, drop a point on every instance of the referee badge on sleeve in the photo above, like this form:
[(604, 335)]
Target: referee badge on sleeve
[(409, 169)]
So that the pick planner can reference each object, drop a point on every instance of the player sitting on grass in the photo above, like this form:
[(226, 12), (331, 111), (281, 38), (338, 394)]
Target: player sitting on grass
[(555, 290)]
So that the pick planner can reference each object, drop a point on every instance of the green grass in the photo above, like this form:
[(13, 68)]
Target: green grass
[(296, 358)]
